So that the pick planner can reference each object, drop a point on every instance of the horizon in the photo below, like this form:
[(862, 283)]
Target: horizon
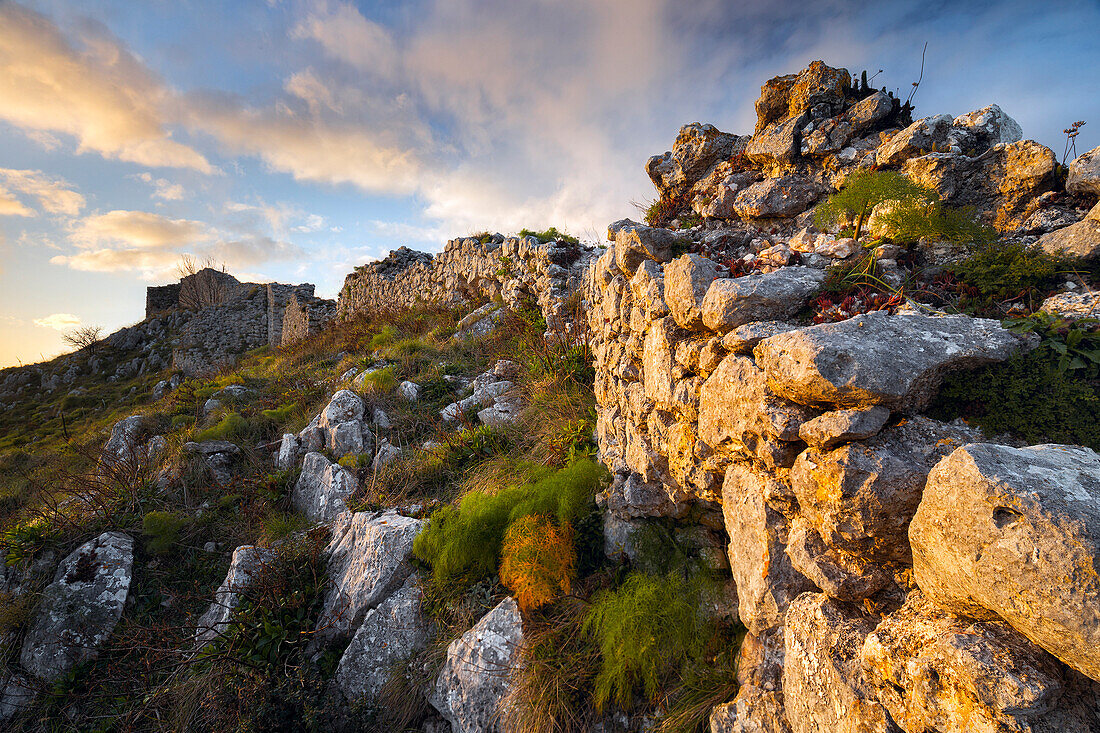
[(294, 140)]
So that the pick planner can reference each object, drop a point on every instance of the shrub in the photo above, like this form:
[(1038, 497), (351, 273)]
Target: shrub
[(162, 530), (279, 415), (23, 540), (1028, 396), (380, 380), (549, 235), (645, 629), (232, 427), (182, 421), (538, 561), (383, 337), (1009, 269), (863, 190)]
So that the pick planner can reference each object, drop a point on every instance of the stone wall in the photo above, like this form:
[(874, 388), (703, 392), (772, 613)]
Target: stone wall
[(806, 443), (305, 315), (161, 298), (511, 268)]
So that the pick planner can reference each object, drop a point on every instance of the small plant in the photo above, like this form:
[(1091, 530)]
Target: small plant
[(85, 337), (574, 440), (380, 381), (279, 415), (646, 628), (538, 561), (1009, 270), (1071, 133), (23, 540), (1072, 345), (661, 212), (233, 427), (549, 235), (162, 530), (863, 190)]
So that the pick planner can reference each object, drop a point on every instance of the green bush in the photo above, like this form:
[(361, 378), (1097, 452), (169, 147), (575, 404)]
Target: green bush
[(381, 380), (162, 529), (463, 544), (646, 628), (549, 235), (1028, 396), (21, 541), (233, 427), (383, 338), (279, 415), (1009, 269)]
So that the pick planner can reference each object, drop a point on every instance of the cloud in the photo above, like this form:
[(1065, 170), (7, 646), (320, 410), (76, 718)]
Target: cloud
[(58, 321), (137, 230), (163, 188), (11, 206), (54, 196), (152, 244), (98, 92)]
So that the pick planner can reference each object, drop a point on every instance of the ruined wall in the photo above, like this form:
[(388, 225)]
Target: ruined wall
[(161, 298), (305, 315), (514, 269), (806, 443)]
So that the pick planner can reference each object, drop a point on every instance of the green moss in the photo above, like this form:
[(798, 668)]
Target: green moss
[(233, 427), (1028, 396)]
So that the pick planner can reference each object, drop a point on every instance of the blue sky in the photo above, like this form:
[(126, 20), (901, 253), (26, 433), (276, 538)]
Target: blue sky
[(294, 139)]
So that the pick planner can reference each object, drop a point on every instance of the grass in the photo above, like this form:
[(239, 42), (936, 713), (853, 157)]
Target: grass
[(549, 235)]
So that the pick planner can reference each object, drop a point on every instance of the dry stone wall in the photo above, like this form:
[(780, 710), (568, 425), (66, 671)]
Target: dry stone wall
[(513, 269)]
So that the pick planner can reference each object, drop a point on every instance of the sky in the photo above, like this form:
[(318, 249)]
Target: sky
[(292, 140)]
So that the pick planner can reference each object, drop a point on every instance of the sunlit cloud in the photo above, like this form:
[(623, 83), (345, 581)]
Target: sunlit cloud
[(137, 230), (54, 196), (95, 90), (162, 187), (58, 321)]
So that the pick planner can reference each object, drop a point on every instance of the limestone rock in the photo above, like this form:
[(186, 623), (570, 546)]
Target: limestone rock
[(387, 454), (1084, 174), (827, 431), (631, 496), (1073, 305), (289, 450), (698, 148), (637, 243), (475, 675), (123, 443), (343, 406), (322, 488), (817, 89), (923, 136), (1081, 239), (657, 360), (779, 145), (935, 671), (80, 608), (879, 359), (367, 559), (1015, 533), (830, 136), (766, 581), (981, 129), (480, 322), (824, 688), (410, 391), (732, 302), (17, 693), (752, 711), (390, 633), (743, 339), (737, 407), (776, 197), (244, 568), (686, 282)]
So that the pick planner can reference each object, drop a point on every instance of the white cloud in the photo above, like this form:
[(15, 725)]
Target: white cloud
[(162, 187), (11, 206), (54, 196), (99, 93), (58, 321), (137, 230)]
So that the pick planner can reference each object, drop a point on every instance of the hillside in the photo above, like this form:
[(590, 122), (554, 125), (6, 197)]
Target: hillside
[(810, 449)]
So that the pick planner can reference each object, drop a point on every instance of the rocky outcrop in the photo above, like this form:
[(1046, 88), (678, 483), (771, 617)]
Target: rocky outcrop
[(475, 674), (1080, 239), (80, 608), (323, 488), (367, 561), (1084, 174), (697, 150), (245, 567), (1012, 533)]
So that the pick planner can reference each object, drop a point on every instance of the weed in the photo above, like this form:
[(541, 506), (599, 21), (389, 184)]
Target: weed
[(538, 561), (162, 529), (233, 427), (1009, 270), (549, 235), (380, 381), (1072, 345)]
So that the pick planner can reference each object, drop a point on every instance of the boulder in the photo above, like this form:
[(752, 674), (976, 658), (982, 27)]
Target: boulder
[(289, 450), (698, 148), (244, 568), (824, 688), (735, 301), (368, 558), (475, 675), (827, 431), (978, 131), (409, 391), (776, 197), (860, 497), (758, 707), (323, 488), (1084, 174), (344, 406), (923, 136), (1002, 183), (219, 455), (1014, 533), (657, 360), (818, 89), (631, 496), (480, 322), (1081, 239), (80, 608), (648, 288), (122, 446), (743, 339), (766, 580), (636, 244), (935, 671), (17, 693), (830, 136), (779, 145), (736, 408), (387, 453), (686, 281), (390, 634), (1073, 305), (896, 361)]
